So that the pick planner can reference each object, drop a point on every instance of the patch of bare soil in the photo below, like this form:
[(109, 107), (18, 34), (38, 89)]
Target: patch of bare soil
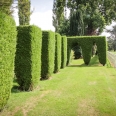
[(86, 108)]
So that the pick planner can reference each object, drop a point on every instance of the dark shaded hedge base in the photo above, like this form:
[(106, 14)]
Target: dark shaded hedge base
[(7, 54)]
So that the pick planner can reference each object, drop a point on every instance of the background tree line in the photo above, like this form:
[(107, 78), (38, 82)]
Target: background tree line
[(87, 17), (112, 38)]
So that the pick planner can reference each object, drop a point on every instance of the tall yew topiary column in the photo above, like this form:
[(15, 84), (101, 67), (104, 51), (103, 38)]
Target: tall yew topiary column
[(86, 45), (7, 54), (102, 47), (64, 52), (48, 54), (28, 57), (57, 52)]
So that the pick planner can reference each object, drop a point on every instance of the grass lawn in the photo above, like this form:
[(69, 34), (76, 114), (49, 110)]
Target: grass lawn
[(113, 52), (77, 90)]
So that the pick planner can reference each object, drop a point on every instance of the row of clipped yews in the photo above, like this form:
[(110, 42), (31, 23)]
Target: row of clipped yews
[(30, 54)]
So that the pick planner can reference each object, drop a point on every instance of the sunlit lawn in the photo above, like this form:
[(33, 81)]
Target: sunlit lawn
[(114, 52), (77, 90)]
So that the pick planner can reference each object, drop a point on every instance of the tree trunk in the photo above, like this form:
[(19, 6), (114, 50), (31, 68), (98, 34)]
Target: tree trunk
[(90, 30)]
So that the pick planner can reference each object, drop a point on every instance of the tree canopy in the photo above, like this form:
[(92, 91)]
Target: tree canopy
[(58, 13), (5, 6), (89, 17), (24, 12)]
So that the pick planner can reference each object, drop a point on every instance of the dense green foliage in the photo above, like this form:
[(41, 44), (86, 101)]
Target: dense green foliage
[(101, 48), (5, 6), (24, 12), (76, 22), (88, 17), (58, 13), (28, 57), (91, 15), (57, 52), (7, 54), (86, 43), (64, 51), (64, 28), (48, 54)]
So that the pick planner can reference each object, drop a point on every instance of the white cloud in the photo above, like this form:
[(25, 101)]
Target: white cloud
[(42, 20), (108, 27), (15, 15)]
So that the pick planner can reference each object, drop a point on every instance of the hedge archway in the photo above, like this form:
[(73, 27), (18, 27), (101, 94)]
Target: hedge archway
[(86, 43)]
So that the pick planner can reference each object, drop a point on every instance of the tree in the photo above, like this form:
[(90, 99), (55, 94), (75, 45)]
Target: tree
[(58, 13), (24, 12), (5, 6), (94, 22), (76, 23), (89, 17), (112, 38), (76, 17), (64, 27)]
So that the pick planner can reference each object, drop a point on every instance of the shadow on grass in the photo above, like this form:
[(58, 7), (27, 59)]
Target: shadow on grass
[(15, 89), (94, 62), (76, 65)]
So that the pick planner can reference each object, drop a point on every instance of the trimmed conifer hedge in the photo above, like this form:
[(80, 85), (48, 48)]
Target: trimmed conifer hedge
[(64, 51), (101, 48), (28, 56), (70, 44), (48, 54), (86, 43), (57, 52), (7, 54)]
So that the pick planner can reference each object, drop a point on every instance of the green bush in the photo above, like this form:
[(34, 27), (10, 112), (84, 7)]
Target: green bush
[(86, 43), (48, 54), (57, 52), (28, 56), (64, 51), (101, 47), (7, 54)]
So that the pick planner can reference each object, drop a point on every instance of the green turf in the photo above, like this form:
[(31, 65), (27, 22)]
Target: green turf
[(77, 90)]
